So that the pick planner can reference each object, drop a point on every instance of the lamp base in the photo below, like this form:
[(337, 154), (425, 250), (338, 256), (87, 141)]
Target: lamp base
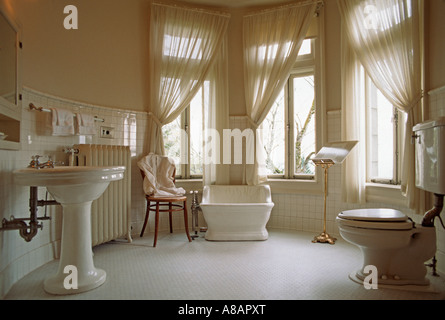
[(323, 238)]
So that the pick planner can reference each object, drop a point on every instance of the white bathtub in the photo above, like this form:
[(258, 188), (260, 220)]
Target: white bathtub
[(236, 213)]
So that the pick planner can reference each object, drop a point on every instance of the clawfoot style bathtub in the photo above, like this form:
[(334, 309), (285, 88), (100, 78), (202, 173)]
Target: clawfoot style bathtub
[(236, 213)]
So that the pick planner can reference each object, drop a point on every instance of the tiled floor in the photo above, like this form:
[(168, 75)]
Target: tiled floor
[(288, 266)]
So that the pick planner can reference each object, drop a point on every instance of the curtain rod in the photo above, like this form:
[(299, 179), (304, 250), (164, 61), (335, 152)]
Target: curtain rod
[(320, 4), (196, 9)]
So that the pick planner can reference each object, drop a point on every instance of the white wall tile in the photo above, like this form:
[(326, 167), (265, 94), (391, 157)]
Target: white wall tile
[(17, 257)]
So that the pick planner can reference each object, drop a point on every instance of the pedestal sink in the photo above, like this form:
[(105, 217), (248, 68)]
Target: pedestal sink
[(74, 188)]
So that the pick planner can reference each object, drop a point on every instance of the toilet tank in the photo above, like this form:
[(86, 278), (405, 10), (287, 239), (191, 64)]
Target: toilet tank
[(430, 155)]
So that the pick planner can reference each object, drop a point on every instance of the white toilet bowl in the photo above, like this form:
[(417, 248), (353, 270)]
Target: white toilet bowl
[(391, 242)]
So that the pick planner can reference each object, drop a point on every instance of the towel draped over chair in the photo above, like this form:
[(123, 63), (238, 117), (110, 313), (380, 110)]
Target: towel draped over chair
[(159, 180)]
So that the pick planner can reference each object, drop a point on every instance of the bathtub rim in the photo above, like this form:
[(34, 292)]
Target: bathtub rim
[(208, 189)]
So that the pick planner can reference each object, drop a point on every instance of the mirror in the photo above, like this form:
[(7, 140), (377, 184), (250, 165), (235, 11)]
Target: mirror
[(10, 84), (8, 60)]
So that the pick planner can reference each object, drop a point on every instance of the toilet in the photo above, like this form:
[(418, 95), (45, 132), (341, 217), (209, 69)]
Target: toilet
[(391, 242), (388, 239)]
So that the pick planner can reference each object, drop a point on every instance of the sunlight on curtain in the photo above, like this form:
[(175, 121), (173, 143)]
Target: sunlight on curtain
[(353, 122), (216, 119), (385, 36), (272, 40), (184, 44)]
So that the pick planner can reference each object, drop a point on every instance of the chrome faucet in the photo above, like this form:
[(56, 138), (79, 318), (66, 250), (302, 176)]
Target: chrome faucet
[(35, 163)]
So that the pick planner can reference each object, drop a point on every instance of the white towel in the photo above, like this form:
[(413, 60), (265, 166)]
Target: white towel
[(85, 124), (62, 122), (158, 179)]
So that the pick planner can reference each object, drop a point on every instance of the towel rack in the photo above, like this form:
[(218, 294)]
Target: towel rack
[(33, 107)]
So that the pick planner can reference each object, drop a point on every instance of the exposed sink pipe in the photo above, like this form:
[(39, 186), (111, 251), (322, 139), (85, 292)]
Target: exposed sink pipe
[(428, 218), (28, 231)]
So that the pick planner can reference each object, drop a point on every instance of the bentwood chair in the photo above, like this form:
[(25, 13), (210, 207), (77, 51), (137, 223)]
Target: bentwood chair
[(168, 204)]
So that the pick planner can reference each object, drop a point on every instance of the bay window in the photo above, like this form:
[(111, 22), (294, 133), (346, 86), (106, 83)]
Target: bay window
[(289, 131)]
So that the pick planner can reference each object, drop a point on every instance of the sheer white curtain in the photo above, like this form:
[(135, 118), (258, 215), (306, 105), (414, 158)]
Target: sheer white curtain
[(385, 36), (272, 40), (184, 44), (353, 124), (216, 119)]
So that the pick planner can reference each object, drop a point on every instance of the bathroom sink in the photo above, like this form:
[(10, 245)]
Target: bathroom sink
[(74, 188), (71, 184), (67, 175)]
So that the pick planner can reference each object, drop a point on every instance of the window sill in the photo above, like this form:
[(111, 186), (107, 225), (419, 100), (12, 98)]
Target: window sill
[(278, 186), (385, 193), (292, 186), (375, 192), (190, 184)]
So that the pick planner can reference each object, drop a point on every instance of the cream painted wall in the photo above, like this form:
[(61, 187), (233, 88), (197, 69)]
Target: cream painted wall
[(332, 55), (105, 61), (102, 62), (435, 22)]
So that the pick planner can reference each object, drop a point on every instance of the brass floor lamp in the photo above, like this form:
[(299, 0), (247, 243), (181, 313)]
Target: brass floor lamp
[(328, 156)]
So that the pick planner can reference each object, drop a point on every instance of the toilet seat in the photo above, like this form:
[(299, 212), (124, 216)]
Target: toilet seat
[(382, 219)]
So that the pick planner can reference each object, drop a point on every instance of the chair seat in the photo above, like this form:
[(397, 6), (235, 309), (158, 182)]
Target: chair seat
[(167, 198)]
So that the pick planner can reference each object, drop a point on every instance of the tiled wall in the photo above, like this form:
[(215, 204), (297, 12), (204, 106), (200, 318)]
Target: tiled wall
[(305, 211), (437, 110), (17, 257), (437, 103)]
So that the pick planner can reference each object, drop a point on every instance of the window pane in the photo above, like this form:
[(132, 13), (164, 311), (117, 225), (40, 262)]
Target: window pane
[(269, 52), (306, 47), (273, 137), (182, 47), (172, 142), (196, 149), (304, 124), (381, 136)]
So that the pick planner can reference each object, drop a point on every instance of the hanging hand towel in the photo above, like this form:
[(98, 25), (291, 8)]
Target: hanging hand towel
[(85, 124), (62, 122)]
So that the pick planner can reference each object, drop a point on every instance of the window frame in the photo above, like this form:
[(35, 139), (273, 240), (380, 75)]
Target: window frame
[(290, 121), (398, 117), (186, 165), (299, 186), (290, 182), (304, 66)]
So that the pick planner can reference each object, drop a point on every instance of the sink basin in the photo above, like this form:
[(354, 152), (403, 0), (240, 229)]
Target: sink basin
[(67, 175), (74, 188), (71, 184)]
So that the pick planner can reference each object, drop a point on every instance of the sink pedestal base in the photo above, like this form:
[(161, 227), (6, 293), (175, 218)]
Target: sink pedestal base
[(76, 265)]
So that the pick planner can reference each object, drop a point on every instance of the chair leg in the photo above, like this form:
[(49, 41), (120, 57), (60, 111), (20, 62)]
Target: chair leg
[(146, 218), (170, 206), (186, 221), (156, 225)]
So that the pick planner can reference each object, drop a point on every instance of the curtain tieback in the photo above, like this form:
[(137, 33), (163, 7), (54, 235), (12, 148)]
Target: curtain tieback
[(414, 103), (253, 123), (155, 119)]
